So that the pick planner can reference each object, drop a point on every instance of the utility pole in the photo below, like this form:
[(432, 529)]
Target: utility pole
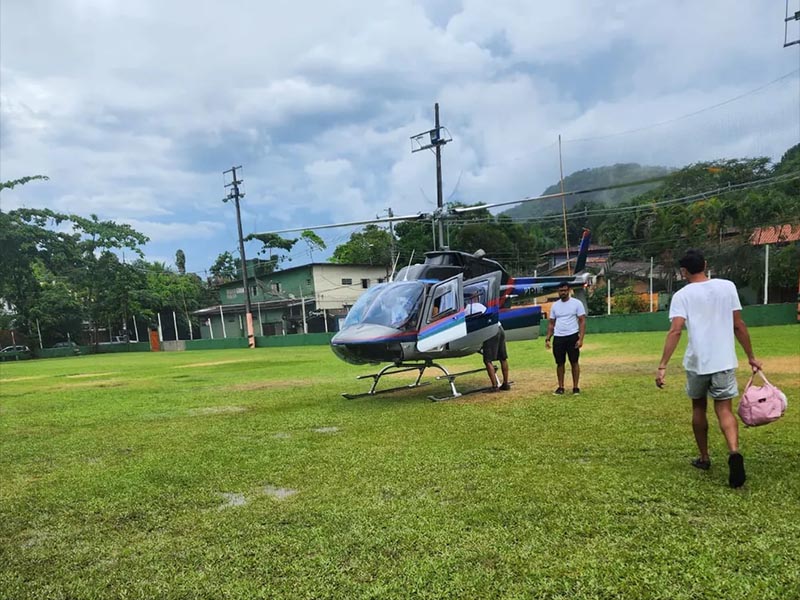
[(234, 195), (563, 204), (793, 17), (435, 141), (439, 198), (392, 251)]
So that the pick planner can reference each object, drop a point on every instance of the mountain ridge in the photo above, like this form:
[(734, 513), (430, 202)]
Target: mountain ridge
[(592, 178)]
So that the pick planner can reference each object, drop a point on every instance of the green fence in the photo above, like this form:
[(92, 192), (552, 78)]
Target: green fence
[(754, 316), (98, 349), (271, 341), (279, 341), (217, 343)]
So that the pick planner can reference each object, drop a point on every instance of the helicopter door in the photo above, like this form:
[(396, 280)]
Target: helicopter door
[(444, 318)]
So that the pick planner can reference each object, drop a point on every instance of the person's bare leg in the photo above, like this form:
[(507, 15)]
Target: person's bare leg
[(575, 367), (700, 427), (560, 375), (730, 429), (728, 424), (492, 374), (504, 368)]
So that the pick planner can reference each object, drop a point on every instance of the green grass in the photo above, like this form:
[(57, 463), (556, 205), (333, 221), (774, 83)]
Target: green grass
[(114, 470)]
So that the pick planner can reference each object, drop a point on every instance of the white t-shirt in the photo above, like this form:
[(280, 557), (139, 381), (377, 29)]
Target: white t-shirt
[(475, 308), (565, 314), (708, 309)]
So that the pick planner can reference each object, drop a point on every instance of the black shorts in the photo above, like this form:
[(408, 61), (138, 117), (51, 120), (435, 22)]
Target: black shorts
[(564, 346), (495, 348)]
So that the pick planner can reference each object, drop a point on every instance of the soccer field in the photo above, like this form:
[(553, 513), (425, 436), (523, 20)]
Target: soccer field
[(245, 474)]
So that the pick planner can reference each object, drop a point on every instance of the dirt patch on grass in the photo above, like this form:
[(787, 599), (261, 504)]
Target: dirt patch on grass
[(259, 385), (278, 493), (326, 430), (208, 364), (36, 537), (92, 384), (526, 384), (231, 500), (81, 375), (281, 435), (11, 379), (216, 410), (783, 364), (617, 359)]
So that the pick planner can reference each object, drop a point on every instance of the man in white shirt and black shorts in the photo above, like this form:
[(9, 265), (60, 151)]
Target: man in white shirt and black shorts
[(712, 313), (567, 326)]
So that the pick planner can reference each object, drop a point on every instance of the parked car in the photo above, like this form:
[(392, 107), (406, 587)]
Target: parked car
[(16, 349), (68, 344), (17, 352)]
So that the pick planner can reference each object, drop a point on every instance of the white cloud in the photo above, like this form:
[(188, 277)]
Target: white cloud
[(134, 109)]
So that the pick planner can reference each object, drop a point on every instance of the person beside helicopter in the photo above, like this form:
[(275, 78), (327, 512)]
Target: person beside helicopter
[(492, 349), (567, 326), (495, 349)]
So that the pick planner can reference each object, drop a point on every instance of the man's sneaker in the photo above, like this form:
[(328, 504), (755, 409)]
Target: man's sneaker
[(505, 387), (736, 477), (559, 392), (703, 465), (576, 391)]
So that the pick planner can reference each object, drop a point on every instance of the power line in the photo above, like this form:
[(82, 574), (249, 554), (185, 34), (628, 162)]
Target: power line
[(687, 115)]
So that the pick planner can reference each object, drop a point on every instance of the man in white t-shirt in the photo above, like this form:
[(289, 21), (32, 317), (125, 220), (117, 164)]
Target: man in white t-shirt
[(711, 311), (567, 326)]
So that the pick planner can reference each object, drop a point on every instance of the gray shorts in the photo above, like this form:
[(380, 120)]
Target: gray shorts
[(720, 385), (495, 348)]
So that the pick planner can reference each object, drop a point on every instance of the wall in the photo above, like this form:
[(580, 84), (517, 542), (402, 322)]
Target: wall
[(297, 281), (331, 293)]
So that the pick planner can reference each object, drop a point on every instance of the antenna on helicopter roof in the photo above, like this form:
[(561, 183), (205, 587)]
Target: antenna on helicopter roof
[(409, 264), (394, 267)]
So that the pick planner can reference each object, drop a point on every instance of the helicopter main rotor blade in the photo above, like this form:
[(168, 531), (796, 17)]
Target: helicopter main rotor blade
[(416, 217), (560, 194)]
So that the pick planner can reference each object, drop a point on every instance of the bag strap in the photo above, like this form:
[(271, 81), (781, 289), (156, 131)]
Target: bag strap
[(764, 377), (749, 382), (761, 373)]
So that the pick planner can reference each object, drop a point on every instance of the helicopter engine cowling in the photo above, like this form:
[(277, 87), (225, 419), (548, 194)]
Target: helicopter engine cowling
[(368, 343)]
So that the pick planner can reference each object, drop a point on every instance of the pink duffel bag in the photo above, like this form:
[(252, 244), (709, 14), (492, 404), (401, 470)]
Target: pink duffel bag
[(761, 404)]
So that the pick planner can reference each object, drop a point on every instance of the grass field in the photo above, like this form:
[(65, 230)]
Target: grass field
[(244, 474)]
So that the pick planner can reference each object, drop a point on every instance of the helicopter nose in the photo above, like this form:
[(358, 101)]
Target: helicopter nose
[(363, 344)]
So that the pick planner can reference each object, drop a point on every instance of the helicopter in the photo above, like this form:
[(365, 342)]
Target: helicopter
[(443, 308), (427, 312)]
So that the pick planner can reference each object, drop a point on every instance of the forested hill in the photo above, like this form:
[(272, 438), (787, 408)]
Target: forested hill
[(592, 178)]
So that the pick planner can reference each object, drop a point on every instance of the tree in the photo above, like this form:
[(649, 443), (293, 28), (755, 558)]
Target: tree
[(596, 300), (180, 261), (75, 252), (414, 238), (10, 185), (224, 268), (57, 310), (313, 242), (627, 302), (270, 242), (372, 245)]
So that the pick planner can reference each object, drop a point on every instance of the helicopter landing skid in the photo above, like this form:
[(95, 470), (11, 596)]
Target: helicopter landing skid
[(392, 370), (451, 378)]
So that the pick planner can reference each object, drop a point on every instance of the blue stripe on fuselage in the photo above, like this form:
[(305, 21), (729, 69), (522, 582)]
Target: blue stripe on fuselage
[(518, 317)]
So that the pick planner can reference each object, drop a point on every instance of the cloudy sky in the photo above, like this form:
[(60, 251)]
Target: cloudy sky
[(134, 109)]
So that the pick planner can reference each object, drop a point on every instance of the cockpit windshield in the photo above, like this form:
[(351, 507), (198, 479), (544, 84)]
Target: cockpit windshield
[(395, 304)]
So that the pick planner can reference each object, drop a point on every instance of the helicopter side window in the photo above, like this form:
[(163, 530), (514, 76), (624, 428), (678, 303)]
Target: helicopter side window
[(475, 298), (444, 303)]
